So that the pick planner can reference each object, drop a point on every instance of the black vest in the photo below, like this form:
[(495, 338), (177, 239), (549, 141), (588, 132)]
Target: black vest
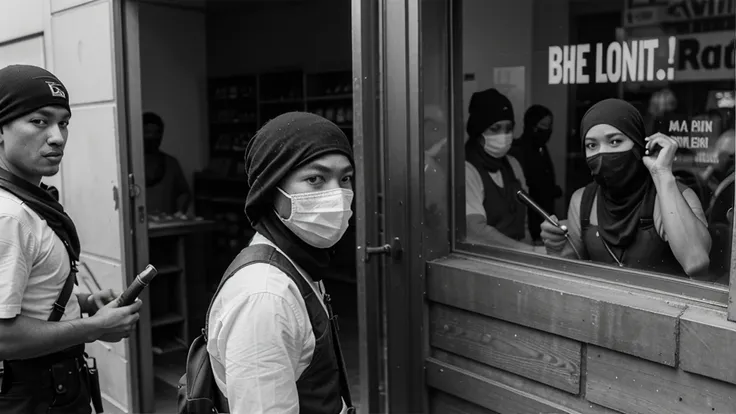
[(319, 386), (504, 211), (647, 252)]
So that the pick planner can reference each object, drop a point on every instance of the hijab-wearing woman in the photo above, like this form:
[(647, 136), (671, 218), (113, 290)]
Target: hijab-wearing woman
[(530, 149), (270, 344), (634, 214), (493, 213)]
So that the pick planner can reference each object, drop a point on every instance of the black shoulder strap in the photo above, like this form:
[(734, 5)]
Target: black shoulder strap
[(66, 292), (256, 253), (586, 205), (264, 253)]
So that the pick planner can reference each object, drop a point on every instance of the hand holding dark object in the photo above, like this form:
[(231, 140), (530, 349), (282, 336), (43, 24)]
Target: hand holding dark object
[(98, 300), (553, 236), (660, 154), (114, 322)]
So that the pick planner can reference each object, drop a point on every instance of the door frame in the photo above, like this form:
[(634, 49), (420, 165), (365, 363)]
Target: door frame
[(131, 130), (389, 159)]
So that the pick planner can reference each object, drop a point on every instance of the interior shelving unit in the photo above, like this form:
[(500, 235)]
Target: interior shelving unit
[(239, 106)]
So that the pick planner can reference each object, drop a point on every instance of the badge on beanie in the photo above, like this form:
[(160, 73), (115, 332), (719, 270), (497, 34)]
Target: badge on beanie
[(56, 89)]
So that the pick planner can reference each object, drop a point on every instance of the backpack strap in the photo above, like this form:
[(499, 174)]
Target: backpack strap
[(59, 306), (257, 253), (264, 253), (586, 205)]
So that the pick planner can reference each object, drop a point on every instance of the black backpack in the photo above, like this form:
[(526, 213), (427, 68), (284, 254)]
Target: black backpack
[(198, 391)]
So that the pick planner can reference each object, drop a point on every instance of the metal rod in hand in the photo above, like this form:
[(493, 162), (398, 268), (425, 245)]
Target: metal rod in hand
[(135, 288), (524, 198)]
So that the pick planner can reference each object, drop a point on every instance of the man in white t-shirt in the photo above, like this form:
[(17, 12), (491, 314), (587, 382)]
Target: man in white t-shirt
[(42, 332)]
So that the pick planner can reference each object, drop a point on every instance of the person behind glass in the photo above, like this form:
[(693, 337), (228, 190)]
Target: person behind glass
[(531, 151), (167, 190), (42, 332), (493, 213), (270, 345), (634, 213)]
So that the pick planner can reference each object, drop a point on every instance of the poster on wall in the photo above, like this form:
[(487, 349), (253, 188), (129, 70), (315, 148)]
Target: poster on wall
[(684, 58), (511, 82), (696, 138)]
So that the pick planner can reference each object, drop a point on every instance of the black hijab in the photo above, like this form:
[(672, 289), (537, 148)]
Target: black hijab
[(282, 145), (40, 200), (619, 210)]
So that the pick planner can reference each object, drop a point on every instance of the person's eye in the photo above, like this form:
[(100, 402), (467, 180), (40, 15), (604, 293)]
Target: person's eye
[(64, 124), (616, 142), (39, 122), (590, 145), (315, 179), (347, 179)]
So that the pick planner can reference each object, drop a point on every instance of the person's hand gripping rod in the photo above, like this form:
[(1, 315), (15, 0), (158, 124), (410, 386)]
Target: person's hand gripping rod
[(524, 198)]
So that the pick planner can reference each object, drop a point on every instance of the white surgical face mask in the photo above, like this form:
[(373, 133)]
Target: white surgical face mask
[(319, 218), (497, 145)]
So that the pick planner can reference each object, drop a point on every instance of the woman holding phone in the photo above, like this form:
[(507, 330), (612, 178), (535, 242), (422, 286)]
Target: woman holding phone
[(634, 213)]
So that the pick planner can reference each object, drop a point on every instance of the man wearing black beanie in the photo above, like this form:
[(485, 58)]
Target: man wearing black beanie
[(42, 332), (493, 213)]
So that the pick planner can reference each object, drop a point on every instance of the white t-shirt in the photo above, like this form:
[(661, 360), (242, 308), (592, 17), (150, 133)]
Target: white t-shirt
[(34, 263), (260, 339)]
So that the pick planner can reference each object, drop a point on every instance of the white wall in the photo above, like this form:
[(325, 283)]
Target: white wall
[(501, 33), (174, 80), (496, 33)]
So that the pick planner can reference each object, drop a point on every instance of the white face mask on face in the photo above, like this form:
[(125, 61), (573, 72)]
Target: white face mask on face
[(319, 218), (497, 145)]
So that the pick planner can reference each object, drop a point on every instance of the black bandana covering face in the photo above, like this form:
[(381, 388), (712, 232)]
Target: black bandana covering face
[(623, 179)]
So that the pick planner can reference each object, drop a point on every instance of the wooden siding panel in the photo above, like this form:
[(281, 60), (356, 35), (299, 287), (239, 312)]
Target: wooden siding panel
[(708, 344), (543, 392), (613, 318), (441, 403), (484, 392), (635, 386), (543, 357)]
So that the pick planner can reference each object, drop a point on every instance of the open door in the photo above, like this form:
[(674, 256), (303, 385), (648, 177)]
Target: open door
[(402, 72), (390, 206), (83, 45)]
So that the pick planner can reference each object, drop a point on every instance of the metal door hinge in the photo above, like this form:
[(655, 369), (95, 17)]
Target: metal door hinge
[(134, 190)]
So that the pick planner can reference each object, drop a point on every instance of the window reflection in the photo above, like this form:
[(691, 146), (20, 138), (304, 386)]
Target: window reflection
[(435, 78), (644, 180)]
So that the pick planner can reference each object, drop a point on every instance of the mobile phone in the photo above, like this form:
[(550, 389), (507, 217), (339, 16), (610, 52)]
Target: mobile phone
[(135, 288)]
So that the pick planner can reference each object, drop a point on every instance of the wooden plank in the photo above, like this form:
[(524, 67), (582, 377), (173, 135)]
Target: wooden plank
[(707, 344), (484, 392), (634, 386), (544, 392), (547, 358), (441, 403), (628, 322)]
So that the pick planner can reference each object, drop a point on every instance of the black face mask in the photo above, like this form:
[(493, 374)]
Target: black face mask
[(617, 171), (540, 137), (151, 145)]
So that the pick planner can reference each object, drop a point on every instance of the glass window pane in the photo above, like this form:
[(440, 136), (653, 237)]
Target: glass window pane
[(436, 128), (615, 117)]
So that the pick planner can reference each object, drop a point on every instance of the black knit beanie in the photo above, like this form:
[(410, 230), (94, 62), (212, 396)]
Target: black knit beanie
[(486, 108), (26, 88)]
